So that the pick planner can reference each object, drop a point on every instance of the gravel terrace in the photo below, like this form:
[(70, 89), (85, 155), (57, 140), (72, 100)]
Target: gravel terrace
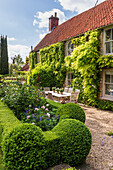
[(100, 157)]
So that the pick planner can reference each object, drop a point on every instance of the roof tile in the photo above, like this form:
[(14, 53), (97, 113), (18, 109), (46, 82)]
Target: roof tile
[(97, 17)]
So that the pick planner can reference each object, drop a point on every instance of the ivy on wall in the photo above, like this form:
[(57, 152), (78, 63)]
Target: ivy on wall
[(53, 57), (32, 60)]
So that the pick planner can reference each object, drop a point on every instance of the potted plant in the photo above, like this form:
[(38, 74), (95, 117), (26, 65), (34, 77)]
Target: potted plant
[(58, 90), (61, 91), (53, 89)]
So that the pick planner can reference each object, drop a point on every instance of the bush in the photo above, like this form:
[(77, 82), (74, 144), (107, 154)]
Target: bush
[(23, 148), (71, 110), (75, 141)]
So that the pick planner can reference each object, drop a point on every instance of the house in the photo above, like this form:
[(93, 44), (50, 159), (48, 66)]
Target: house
[(25, 67), (99, 17)]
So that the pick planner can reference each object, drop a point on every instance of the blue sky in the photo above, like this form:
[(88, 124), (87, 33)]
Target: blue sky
[(25, 22)]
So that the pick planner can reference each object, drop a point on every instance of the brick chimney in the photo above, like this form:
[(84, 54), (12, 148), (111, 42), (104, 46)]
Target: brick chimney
[(53, 22)]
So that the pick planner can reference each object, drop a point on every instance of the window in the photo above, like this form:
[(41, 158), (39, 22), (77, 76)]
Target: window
[(69, 79), (109, 41), (38, 57), (108, 83), (70, 48)]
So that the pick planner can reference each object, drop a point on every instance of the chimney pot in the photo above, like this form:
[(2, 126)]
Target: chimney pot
[(53, 22), (55, 14)]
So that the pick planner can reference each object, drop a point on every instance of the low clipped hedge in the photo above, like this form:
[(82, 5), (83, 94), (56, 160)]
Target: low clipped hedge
[(71, 110), (75, 141), (26, 146)]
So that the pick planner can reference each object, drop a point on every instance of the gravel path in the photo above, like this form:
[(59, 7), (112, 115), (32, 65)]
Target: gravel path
[(101, 154)]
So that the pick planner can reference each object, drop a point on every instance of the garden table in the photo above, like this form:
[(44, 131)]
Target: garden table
[(60, 96)]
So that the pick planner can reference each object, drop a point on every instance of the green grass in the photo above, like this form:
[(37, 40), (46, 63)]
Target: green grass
[(55, 104)]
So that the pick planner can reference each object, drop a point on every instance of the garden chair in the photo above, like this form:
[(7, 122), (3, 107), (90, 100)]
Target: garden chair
[(70, 90), (75, 95), (66, 89), (50, 96)]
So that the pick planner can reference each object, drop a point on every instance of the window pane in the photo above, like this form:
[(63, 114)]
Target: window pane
[(108, 50), (111, 78), (107, 88), (112, 34), (111, 90), (108, 35), (112, 47), (107, 78)]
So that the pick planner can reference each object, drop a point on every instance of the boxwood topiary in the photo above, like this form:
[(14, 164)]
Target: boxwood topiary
[(71, 110), (75, 141), (24, 148)]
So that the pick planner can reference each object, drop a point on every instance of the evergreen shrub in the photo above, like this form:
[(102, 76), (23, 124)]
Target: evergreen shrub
[(71, 110), (26, 146), (75, 141), (23, 148)]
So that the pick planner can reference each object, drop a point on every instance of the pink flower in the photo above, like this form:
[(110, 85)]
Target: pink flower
[(43, 107), (47, 109), (48, 114), (33, 123), (28, 117), (36, 109)]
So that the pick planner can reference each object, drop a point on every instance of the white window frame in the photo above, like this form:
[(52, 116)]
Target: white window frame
[(109, 41), (106, 96), (67, 79), (70, 48)]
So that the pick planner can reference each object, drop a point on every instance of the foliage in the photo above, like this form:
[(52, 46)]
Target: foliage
[(105, 61), (44, 74), (32, 60), (18, 97), (52, 61), (54, 104), (85, 61), (75, 141), (104, 104), (26, 146), (42, 117), (71, 110), (110, 133), (3, 56), (23, 148)]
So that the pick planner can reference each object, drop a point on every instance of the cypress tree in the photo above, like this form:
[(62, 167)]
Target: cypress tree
[(3, 55)]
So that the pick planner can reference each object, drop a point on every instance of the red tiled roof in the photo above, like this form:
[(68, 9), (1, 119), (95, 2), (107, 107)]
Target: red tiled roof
[(25, 67), (100, 16)]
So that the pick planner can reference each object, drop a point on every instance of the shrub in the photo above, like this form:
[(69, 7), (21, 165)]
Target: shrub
[(71, 110), (75, 141), (23, 148)]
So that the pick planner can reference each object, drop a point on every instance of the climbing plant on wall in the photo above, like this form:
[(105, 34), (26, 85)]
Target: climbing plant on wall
[(84, 62), (32, 60), (53, 57)]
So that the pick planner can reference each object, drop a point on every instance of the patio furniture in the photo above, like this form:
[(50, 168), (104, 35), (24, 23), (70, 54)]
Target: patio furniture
[(65, 89), (46, 90), (50, 96), (75, 95)]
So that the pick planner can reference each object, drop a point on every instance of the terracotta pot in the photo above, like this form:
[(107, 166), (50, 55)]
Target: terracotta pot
[(61, 92), (53, 91), (58, 92)]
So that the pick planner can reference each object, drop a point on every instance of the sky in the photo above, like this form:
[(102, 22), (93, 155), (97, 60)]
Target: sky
[(26, 22)]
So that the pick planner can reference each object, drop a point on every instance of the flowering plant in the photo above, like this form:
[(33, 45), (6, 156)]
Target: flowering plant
[(42, 117)]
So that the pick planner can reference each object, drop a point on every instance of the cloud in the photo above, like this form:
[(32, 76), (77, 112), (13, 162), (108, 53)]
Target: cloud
[(11, 39), (18, 49), (43, 18), (78, 6), (35, 22), (42, 35)]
